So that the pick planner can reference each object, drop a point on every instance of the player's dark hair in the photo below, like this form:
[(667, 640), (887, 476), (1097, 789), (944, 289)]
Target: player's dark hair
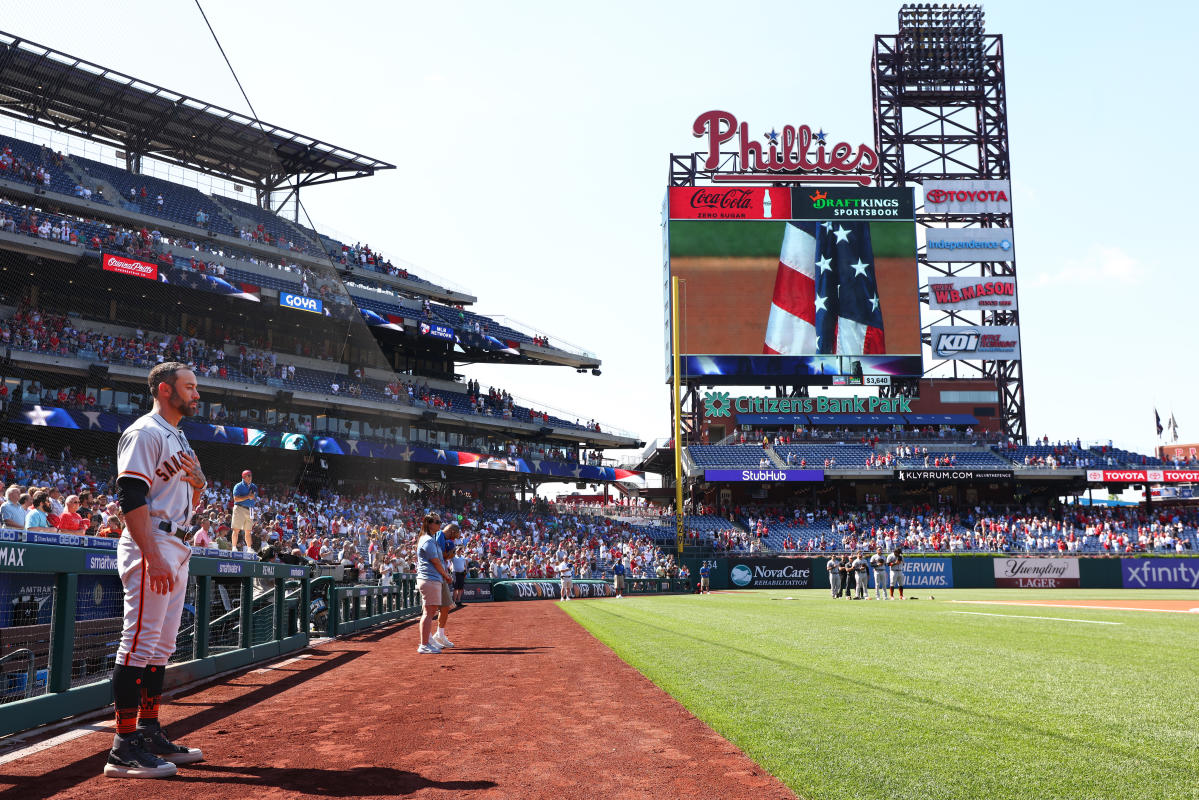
[(164, 373)]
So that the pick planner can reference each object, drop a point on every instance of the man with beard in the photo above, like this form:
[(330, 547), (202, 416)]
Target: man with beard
[(160, 484)]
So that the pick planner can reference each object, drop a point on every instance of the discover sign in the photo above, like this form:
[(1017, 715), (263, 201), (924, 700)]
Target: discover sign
[(1036, 573), (770, 573)]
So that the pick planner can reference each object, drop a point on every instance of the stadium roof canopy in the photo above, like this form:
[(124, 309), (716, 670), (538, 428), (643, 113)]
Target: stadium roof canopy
[(60, 91)]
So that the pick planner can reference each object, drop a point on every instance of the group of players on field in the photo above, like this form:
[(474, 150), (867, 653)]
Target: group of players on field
[(849, 574)]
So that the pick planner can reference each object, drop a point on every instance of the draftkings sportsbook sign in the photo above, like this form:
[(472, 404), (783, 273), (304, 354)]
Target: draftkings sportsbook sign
[(770, 573)]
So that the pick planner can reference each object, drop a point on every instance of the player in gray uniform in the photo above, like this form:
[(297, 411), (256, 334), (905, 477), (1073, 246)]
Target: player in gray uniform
[(879, 565), (895, 566), (834, 575), (861, 574), (159, 483)]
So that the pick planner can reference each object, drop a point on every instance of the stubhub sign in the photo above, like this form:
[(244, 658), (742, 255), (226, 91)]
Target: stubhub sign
[(301, 303)]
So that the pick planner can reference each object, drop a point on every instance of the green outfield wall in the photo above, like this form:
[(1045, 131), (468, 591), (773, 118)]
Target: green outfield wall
[(989, 571)]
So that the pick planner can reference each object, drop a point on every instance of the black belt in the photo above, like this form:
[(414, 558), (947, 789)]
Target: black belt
[(175, 530)]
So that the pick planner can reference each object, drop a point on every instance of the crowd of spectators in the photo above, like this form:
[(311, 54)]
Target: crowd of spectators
[(372, 532), (14, 167), (925, 528)]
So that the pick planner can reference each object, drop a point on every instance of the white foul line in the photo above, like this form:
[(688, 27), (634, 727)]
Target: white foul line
[(1065, 605), (1028, 616)]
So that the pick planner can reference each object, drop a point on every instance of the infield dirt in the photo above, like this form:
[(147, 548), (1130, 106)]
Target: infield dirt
[(529, 705)]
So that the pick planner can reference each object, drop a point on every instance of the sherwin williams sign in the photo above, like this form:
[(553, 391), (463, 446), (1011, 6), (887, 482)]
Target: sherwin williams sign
[(763, 475), (1160, 573), (1036, 573), (934, 573), (770, 573)]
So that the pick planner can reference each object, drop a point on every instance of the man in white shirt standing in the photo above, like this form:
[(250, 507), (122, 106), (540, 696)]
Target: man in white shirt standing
[(566, 576)]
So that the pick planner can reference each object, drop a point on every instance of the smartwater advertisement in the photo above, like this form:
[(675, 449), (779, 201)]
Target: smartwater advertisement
[(932, 573), (1160, 573)]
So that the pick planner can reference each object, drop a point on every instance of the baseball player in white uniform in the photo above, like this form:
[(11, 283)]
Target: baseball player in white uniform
[(834, 575), (159, 484), (859, 574), (879, 565), (895, 566)]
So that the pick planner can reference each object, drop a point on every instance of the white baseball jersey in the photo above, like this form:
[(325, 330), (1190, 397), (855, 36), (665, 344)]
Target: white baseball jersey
[(149, 450)]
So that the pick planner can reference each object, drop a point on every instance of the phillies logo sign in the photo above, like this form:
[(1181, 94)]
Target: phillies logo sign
[(784, 154)]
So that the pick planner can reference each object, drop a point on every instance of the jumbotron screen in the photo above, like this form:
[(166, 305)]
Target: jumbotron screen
[(793, 284)]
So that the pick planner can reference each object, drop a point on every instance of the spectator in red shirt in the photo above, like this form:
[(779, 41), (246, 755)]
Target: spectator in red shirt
[(69, 521)]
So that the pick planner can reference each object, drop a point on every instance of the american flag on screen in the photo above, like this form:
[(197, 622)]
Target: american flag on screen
[(826, 293)]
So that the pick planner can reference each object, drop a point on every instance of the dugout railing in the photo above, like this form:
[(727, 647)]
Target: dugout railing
[(61, 613), (352, 608)]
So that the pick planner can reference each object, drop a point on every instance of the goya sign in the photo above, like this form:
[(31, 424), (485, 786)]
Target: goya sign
[(300, 302)]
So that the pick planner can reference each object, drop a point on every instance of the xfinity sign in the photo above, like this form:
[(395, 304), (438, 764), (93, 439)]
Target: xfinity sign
[(1160, 573), (301, 303)]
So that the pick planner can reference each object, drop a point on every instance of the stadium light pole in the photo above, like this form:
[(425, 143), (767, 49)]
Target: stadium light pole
[(678, 427)]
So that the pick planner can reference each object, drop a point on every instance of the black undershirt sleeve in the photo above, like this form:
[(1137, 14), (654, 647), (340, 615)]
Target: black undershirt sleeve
[(131, 493)]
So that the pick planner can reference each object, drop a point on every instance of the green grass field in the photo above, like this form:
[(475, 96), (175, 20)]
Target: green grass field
[(852, 699)]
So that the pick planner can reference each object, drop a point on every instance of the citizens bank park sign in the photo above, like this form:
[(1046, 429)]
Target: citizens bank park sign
[(720, 404)]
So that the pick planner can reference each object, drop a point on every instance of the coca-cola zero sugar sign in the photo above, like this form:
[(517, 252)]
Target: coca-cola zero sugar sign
[(795, 153)]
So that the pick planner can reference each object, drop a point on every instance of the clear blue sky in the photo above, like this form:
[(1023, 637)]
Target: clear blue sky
[(532, 143)]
